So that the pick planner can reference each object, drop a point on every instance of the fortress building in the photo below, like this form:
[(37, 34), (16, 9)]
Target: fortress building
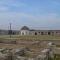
[(26, 31)]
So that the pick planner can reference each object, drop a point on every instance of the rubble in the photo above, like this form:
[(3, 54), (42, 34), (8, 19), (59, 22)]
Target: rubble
[(32, 52)]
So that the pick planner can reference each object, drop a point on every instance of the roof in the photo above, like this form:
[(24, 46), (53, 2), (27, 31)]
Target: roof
[(24, 28)]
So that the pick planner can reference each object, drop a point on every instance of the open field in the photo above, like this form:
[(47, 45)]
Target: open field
[(35, 44), (37, 37)]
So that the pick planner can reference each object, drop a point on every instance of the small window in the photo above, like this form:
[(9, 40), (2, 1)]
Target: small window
[(35, 33), (49, 33), (42, 33)]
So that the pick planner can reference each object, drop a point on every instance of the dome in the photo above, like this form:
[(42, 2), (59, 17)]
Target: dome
[(24, 28)]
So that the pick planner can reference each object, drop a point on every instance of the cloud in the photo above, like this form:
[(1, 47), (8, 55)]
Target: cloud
[(7, 5), (3, 8), (19, 19), (30, 16)]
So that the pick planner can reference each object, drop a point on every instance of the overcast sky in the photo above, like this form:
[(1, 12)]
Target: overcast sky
[(41, 14)]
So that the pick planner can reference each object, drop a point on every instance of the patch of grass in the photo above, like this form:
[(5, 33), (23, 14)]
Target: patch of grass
[(35, 37), (57, 45), (57, 57)]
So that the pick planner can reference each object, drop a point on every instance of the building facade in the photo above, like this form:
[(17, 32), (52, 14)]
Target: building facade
[(26, 31)]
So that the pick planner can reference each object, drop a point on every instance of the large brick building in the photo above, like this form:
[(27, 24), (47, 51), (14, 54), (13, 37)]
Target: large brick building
[(26, 31)]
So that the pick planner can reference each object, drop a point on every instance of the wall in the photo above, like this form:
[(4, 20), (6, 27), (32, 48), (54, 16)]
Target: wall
[(44, 32), (24, 32)]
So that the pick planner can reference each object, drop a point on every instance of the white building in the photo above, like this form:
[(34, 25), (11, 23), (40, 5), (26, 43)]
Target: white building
[(24, 30)]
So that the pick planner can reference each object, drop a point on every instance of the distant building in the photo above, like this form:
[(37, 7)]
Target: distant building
[(26, 31), (6, 32)]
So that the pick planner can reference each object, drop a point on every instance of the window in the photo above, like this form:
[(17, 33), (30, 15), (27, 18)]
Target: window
[(49, 33), (35, 33)]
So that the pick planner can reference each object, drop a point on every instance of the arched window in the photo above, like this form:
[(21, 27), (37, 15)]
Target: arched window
[(49, 33), (35, 33)]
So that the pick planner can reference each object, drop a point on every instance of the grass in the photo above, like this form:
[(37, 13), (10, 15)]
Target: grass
[(37, 37), (58, 46), (57, 57)]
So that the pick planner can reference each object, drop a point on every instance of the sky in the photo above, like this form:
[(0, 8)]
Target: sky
[(36, 14)]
